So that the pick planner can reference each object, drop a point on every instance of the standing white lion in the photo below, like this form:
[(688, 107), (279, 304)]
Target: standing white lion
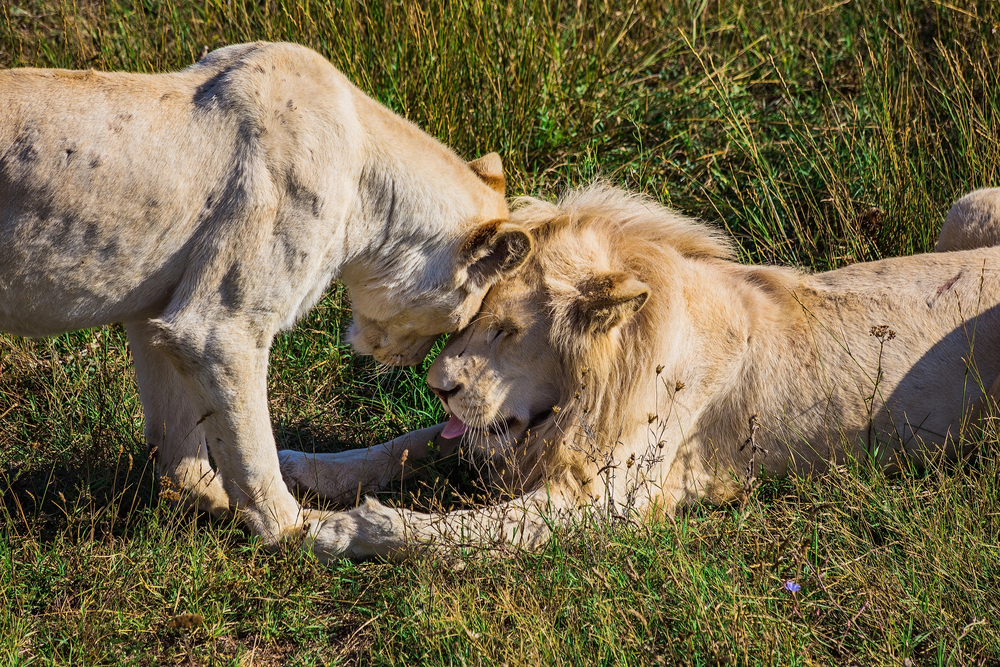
[(208, 209)]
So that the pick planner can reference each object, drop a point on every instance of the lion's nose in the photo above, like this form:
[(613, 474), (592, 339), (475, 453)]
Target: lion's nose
[(445, 394)]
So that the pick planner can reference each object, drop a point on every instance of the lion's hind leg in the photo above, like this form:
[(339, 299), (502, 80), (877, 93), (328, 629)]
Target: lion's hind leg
[(174, 429), (972, 222)]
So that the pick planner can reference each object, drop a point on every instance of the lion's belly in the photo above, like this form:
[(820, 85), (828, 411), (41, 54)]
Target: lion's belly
[(100, 196), (60, 274)]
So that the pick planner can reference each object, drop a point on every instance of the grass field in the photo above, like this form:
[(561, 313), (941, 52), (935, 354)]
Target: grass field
[(818, 132)]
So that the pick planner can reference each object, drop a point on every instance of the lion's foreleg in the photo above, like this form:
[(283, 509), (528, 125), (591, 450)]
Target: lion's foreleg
[(346, 476), (224, 367), (373, 529), (173, 430)]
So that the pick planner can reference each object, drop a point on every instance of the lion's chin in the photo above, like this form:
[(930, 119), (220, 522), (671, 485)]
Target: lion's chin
[(408, 356), (507, 430), (499, 428)]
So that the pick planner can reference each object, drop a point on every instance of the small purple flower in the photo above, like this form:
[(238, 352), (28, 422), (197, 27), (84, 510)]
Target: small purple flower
[(792, 587)]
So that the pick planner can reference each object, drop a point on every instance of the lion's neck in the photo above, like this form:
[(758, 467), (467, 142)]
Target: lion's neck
[(743, 340), (415, 201), (738, 315)]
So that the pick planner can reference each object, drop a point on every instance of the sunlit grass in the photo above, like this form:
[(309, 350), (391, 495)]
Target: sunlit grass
[(818, 133)]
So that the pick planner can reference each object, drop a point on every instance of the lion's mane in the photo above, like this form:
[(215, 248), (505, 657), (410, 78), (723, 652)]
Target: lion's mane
[(600, 383)]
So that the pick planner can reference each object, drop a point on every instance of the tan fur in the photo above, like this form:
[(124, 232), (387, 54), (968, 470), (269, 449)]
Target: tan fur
[(210, 208), (972, 222), (657, 349)]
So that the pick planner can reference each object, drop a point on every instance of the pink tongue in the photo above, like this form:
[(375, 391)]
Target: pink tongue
[(454, 428)]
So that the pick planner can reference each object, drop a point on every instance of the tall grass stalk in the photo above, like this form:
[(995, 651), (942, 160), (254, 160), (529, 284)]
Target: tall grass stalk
[(819, 133)]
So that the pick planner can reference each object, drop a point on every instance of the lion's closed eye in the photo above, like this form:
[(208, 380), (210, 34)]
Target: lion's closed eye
[(500, 331)]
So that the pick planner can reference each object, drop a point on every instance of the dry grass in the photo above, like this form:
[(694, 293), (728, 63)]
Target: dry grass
[(819, 133)]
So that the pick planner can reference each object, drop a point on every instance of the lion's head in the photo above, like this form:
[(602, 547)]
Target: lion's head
[(399, 328), (406, 294), (559, 343)]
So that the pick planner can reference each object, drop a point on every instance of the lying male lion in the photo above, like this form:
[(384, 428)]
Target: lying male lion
[(210, 208), (632, 365)]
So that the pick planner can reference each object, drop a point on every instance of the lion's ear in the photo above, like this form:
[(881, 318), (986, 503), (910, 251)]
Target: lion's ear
[(490, 168), (606, 300), (491, 251)]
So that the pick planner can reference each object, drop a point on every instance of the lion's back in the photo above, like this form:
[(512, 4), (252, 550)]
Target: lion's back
[(106, 179)]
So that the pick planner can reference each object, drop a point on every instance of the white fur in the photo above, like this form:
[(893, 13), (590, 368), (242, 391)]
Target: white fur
[(210, 208), (657, 349), (971, 222)]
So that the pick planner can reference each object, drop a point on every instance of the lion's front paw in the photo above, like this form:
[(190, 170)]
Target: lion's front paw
[(195, 488), (332, 535), (295, 469)]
